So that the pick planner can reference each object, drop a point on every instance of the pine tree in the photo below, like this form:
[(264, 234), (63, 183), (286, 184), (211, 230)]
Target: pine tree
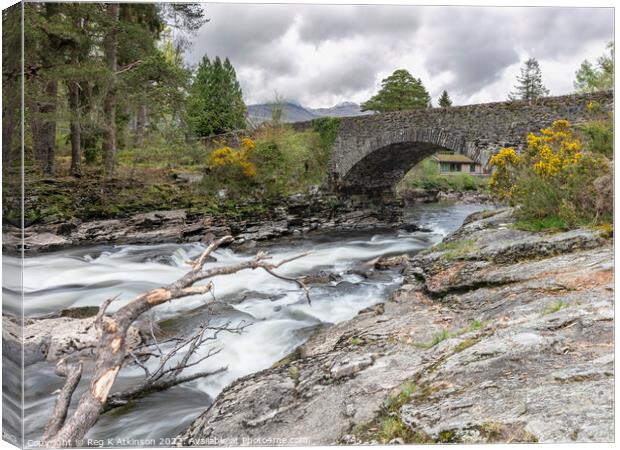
[(444, 100), (399, 91), (234, 97), (529, 84), (216, 100)]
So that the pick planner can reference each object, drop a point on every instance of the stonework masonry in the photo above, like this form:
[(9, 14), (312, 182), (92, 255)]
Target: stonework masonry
[(373, 152)]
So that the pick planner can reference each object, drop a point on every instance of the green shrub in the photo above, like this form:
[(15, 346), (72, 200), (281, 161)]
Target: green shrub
[(557, 182), (328, 128), (599, 135), (289, 161)]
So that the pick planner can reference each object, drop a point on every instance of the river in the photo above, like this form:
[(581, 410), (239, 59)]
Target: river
[(276, 312)]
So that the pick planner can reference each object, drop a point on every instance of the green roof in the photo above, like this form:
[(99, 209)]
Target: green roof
[(452, 157)]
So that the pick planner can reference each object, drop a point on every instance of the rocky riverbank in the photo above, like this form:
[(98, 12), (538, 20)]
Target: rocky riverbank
[(297, 215), (411, 196), (497, 335)]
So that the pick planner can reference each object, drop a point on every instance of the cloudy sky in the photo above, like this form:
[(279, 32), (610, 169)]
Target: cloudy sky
[(321, 55)]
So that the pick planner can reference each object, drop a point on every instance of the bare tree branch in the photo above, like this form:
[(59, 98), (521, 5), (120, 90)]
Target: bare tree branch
[(112, 352), (165, 377), (128, 67), (122, 398), (102, 310), (214, 245), (73, 373)]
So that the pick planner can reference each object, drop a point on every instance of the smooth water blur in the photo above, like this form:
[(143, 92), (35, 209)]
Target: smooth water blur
[(276, 312)]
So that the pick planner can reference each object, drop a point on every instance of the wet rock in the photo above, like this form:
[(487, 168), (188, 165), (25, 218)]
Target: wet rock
[(53, 338), (299, 214), (46, 241), (156, 218), (412, 227), (346, 287), (419, 195), (321, 277), (385, 263), (80, 312), (244, 245), (259, 296)]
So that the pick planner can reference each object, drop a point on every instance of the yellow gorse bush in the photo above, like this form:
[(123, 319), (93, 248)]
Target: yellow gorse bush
[(248, 144), (501, 181), (554, 150), (552, 153), (556, 177), (227, 157)]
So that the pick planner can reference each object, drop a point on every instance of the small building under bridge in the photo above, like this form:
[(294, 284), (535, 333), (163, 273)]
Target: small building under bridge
[(450, 162)]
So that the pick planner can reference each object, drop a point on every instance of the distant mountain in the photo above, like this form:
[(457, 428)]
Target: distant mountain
[(344, 109), (294, 112)]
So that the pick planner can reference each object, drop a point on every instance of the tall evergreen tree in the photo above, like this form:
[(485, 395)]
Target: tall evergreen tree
[(444, 100), (216, 101), (529, 84), (234, 97), (110, 50), (399, 91), (11, 83)]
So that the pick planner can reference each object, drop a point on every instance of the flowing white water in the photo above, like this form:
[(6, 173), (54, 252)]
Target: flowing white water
[(276, 311)]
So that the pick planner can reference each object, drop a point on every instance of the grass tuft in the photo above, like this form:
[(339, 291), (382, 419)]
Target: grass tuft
[(355, 341), (444, 334), (555, 308), (453, 249), (548, 224)]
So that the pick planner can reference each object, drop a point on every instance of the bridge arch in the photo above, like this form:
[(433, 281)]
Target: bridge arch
[(385, 158)]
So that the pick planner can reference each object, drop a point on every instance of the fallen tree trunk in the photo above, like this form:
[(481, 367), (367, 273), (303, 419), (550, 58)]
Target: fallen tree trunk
[(111, 353)]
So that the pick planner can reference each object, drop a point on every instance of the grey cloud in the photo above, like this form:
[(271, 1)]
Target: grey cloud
[(241, 32), (338, 22), (476, 45), (480, 43), (357, 72), (548, 32), (473, 47)]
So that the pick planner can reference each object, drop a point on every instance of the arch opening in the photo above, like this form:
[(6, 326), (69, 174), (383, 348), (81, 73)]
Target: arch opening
[(378, 173)]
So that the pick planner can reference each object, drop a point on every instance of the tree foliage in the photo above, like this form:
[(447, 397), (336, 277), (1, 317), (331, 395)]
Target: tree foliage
[(399, 91), (599, 77), (92, 68), (445, 101), (216, 102), (529, 83)]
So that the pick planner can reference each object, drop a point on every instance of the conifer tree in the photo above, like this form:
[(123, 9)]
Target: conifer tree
[(216, 100), (398, 92), (444, 100), (529, 84), (234, 97)]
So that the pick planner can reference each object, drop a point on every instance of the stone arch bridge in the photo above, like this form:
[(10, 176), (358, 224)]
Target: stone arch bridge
[(372, 153)]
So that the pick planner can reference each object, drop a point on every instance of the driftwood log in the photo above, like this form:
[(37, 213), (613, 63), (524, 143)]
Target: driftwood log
[(61, 431)]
